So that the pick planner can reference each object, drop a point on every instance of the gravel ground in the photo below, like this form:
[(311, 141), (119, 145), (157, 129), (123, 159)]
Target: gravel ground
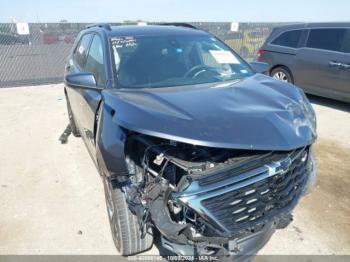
[(52, 199)]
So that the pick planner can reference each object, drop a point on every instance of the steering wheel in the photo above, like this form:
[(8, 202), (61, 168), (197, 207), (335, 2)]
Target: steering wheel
[(197, 70)]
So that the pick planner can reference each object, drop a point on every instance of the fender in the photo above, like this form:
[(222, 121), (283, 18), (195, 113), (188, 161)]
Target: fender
[(110, 143)]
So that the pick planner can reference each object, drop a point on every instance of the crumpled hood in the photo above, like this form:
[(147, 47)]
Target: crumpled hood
[(256, 113)]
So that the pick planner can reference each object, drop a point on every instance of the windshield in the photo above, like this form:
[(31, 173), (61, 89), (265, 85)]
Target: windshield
[(163, 61)]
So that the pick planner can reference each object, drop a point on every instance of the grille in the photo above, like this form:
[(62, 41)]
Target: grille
[(251, 163), (248, 207)]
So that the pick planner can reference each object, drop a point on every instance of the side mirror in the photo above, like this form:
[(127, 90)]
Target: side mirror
[(82, 80), (260, 67)]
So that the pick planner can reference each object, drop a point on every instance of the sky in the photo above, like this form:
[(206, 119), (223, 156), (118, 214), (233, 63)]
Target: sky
[(174, 10)]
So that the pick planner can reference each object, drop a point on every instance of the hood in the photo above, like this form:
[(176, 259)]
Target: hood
[(256, 113)]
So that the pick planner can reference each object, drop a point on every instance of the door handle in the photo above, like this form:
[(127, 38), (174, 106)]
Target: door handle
[(334, 64)]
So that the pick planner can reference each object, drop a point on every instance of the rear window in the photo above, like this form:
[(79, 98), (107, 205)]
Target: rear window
[(288, 39), (326, 39)]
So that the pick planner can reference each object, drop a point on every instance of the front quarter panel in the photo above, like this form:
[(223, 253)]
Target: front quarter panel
[(110, 140)]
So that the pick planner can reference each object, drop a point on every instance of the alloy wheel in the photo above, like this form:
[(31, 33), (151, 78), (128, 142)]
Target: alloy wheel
[(280, 76)]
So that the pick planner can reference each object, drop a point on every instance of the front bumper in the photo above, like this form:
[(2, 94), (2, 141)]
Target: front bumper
[(243, 248), (242, 204)]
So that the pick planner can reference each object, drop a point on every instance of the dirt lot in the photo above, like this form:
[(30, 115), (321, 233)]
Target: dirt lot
[(52, 199)]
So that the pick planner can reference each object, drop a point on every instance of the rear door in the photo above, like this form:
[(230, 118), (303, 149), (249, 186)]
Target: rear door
[(318, 62)]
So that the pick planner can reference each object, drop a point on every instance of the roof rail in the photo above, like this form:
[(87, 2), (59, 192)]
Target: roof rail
[(180, 24), (101, 25)]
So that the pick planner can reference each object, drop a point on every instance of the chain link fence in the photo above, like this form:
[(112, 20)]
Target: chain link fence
[(38, 56)]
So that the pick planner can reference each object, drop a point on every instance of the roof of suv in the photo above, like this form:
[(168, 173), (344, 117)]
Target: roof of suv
[(150, 30), (312, 25)]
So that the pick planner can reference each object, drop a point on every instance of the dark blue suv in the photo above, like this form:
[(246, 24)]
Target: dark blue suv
[(191, 142)]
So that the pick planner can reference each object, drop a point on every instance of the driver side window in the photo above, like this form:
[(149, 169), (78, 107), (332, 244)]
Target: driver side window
[(94, 62), (81, 50)]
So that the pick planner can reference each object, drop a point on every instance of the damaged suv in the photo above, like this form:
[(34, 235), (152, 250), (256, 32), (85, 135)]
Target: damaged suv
[(193, 144)]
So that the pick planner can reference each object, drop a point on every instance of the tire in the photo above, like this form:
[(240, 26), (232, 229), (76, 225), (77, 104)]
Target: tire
[(282, 74), (125, 228), (72, 124)]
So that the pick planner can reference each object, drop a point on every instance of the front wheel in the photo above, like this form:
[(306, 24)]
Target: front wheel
[(282, 74), (125, 228)]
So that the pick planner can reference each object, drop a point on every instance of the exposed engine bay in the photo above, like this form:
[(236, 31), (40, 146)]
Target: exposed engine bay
[(206, 199)]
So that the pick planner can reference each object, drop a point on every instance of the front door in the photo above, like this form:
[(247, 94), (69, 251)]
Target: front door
[(90, 98)]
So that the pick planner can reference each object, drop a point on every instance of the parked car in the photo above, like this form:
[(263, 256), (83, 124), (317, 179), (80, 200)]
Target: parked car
[(49, 39), (190, 141), (13, 39), (313, 56)]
